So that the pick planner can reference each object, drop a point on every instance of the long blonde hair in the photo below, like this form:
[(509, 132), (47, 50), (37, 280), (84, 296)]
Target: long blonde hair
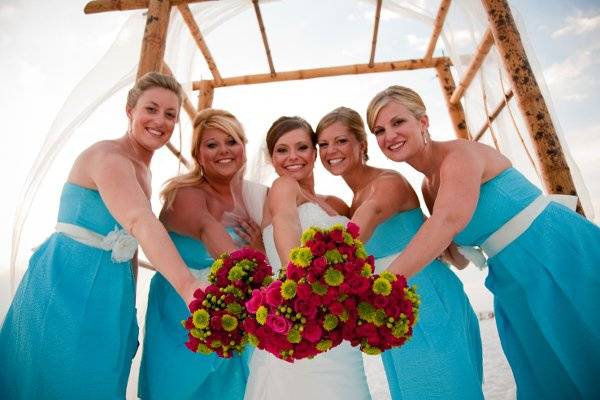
[(205, 119)]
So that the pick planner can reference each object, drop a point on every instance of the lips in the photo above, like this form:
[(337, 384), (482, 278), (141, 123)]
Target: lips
[(294, 167), (335, 161), (225, 161), (154, 132), (396, 146)]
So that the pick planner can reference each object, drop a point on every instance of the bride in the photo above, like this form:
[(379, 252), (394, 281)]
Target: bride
[(291, 207)]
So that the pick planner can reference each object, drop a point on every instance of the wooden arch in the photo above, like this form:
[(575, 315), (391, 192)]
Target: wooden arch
[(502, 33)]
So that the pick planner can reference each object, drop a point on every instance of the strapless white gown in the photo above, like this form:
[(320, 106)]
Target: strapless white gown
[(336, 374)]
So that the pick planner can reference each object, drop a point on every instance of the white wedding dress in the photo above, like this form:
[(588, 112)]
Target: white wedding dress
[(336, 374)]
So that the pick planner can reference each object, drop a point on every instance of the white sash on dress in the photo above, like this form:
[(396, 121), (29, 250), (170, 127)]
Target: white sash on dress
[(513, 228), (120, 243)]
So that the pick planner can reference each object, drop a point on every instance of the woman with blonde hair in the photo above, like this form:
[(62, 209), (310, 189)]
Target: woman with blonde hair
[(542, 256), (71, 331), (443, 358), (203, 213)]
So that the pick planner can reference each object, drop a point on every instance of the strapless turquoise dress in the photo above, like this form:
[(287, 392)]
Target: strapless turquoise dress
[(71, 330), (546, 285), (443, 358), (169, 370)]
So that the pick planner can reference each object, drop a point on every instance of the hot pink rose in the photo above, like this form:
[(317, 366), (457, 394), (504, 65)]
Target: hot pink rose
[(257, 299), (273, 294), (353, 229), (312, 332), (278, 324)]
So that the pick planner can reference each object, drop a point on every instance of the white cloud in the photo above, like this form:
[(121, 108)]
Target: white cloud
[(8, 11), (570, 68), (578, 25), (419, 43)]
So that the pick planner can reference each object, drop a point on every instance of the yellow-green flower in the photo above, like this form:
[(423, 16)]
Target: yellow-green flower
[(216, 265), (236, 272), (372, 351), (294, 336), (324, 345), (348, 239), (319, 288), (333, 277), (229, 322), (330, 322), (216, 344), (366, 270), (379, 318), (301, 256), (382, 286), (308, 235), (261, 315), (253, 340), (197, 333), (400, 328), (204, 349), (267, 280), (344, 315), (366, 311), (389, 276), (334, 256), (288, 289), (234, 308), (200, 318)]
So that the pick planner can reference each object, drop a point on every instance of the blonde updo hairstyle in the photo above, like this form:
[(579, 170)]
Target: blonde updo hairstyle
[(209, 118), (152, 80), (351, 120), (399, 94)]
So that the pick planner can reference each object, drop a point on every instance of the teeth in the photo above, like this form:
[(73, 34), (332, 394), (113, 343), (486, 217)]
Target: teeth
[(154, 132), (225, 161), (294, 167), (396, 146), (335, 161)]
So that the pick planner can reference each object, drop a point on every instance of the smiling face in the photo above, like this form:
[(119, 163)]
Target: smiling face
[(339, 149), (220, 155), (399, 134), (294, 154), (153, 117)]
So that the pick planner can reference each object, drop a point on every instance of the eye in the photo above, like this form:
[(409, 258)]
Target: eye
[(151, 110), (378, 131), (303, 147), (398, 121), (231, 142), (323, 145), (211, 145), (281, 150), (342, 141), (171, 115)]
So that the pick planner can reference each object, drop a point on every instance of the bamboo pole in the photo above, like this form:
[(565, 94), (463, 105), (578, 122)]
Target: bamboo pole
[(457, 114), (263, 33), (205, 97), (178, 154), (556, 175), (375, 32), (482, 50), (186, 13), (437, 28), (155, 35), (100, 6), (401, 65), (493, 115), (187, 104)]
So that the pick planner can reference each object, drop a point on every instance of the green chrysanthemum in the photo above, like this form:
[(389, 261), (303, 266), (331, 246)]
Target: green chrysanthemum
[(336, 227), (382, 286), (236, 272), (216, 344), (301, 256), (253, 340), (261, 315), (365, 311), (379, 318), (333, 277), (234, 308), (366, 270), (229, 322), (200, 318), (330, 322), (389, 276), (411, 294), (288, 289), (400, 328), (308, 235), (319, 288), (334, 256), (197, 333), (344, 316), (203, 349), (348, 239), (294, 336), (216, 265), (267, 280), (372, 351), (360, 250), (324, 345)]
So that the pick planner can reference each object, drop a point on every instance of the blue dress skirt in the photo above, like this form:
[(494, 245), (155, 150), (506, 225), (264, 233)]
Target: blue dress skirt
[(443, 358), (169, 370), (71, 330), (546, 286)]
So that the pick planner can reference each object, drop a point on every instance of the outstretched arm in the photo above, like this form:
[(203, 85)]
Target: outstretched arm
[(460, 179), (114, 175), (287, 230)]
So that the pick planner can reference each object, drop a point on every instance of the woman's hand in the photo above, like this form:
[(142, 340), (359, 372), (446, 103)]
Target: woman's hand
[(190, 288), (250, 232)]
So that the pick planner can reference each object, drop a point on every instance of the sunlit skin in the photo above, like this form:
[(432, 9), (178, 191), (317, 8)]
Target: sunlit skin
[(221, 156), (294, 156), (339, 149)]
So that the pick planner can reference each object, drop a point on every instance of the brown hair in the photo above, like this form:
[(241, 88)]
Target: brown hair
[(285, 124), (350, 119), (151, 80), (400, 94)]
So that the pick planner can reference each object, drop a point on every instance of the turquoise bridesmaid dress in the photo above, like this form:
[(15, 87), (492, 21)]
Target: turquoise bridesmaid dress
[(546, 285), (71, 330), (443, 358), (169, 370)]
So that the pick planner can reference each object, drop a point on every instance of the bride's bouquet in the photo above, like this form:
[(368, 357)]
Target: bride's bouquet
[(308, 310), (217, 313)]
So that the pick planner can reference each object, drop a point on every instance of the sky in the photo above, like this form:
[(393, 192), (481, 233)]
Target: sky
[(48, 47)]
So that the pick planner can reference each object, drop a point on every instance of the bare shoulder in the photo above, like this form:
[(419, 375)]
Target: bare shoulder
[(105, 156), (338, 205), (465, 155), (283, 184)]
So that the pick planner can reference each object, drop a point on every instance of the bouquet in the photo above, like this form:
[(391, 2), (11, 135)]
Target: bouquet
[(306, 311), (217, 313)]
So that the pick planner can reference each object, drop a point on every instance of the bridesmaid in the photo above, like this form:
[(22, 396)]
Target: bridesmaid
[(443, 358), (71, 330), (195, 206), (543, 258)]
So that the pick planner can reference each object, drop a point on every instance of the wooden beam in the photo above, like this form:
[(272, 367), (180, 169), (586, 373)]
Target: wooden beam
[(100, 6), (375, 32), (556, 176), (493, 115), (187, 104), (482, 50), (178, 154), (457, 114), (437, 28), (205, 97), (263, 33), (186, 13), (401, 65), (155, 35)]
